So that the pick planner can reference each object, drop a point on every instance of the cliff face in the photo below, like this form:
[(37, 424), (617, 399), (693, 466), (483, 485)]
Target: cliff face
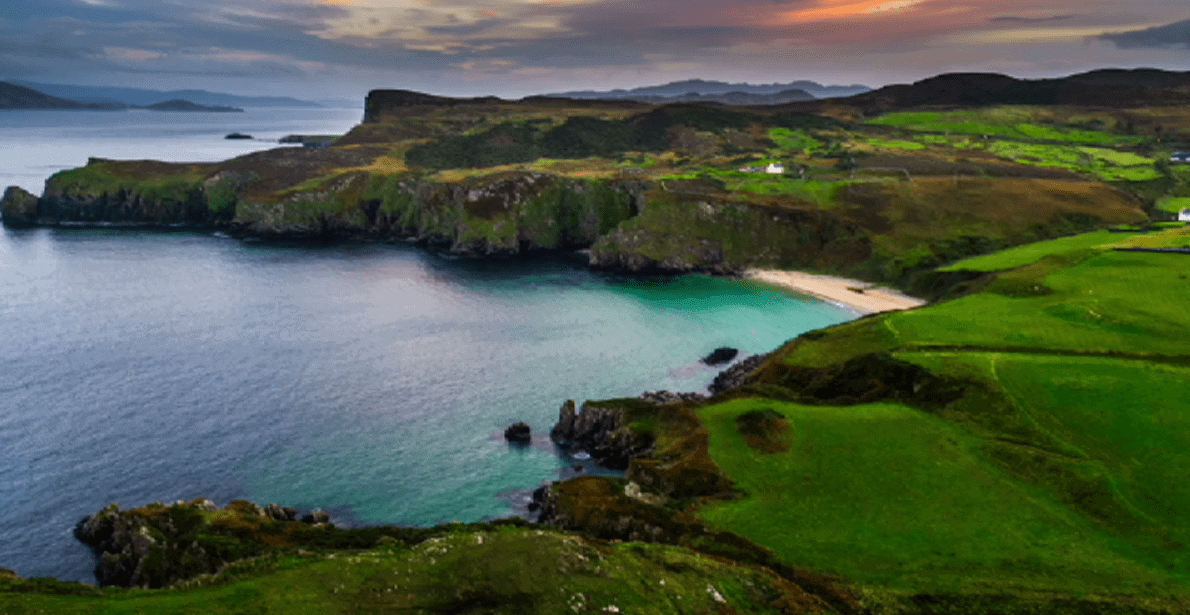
[(501, 214), (687, 231)]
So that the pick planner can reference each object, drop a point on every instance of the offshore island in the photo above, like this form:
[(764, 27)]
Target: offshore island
[(1005, 431)]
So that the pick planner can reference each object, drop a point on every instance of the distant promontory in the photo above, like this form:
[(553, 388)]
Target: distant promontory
[(14, 96)]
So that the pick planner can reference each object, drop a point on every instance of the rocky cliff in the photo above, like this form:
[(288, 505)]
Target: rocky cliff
[(605, 430), (158, 545), (499, 214)]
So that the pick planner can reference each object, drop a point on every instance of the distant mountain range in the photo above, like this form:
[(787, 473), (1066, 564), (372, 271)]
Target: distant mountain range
[(14, 96), (708, 90), (143, 98)]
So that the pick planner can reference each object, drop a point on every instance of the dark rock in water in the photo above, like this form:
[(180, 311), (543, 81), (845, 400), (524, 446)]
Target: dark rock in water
[(720, 356), (518, 433), (238, 135), (665, 397), (281, 513), (602, 430), (18, 207), (736, 375), (317, 515), (578, 467)]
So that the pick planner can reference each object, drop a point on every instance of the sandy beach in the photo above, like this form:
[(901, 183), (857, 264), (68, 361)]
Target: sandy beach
[(838, 290)]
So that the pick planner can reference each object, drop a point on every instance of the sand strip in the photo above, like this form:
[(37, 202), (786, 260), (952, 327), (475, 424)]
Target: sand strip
[(838, 290)]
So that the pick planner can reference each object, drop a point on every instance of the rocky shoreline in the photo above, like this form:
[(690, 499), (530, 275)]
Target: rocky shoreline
[(159, 545)]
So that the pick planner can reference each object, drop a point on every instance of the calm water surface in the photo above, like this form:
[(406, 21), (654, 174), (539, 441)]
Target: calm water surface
[(38, 144), (370, 380)]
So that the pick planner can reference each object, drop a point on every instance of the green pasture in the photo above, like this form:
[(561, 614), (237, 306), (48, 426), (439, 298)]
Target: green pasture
[(890, 496), (510, 572), (1116, 437), (794, 140), (1130, 302), (1033, 252), (819, 193), (1106, 164), (897, 144), (1130, 415), (1010, 122), (1176, 235), (1174, 204)]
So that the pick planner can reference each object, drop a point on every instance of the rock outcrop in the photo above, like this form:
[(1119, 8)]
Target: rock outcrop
[(604, 430), (18, 207), (736, 375), (667, 397), (157, 545)]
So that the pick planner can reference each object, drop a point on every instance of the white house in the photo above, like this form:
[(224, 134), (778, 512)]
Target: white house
[(776, 168), (1184, 215), (1180, 157)]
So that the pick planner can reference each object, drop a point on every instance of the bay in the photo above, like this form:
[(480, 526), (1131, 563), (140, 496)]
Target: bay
[(370, 380)]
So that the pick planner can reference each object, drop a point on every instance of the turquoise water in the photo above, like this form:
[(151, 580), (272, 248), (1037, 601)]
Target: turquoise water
[(370, 380)]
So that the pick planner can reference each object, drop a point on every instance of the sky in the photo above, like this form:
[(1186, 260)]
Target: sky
[(513, 48)]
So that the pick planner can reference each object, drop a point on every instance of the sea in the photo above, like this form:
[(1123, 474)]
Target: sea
[(370, 380)]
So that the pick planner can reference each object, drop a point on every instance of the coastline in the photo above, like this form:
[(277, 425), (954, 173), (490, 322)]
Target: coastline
[(872, 300)]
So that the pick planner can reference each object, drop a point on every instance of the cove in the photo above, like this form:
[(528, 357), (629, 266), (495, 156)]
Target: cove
[(372, 380)]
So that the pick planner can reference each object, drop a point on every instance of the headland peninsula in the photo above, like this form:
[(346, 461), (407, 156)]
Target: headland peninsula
[(1018, 444)]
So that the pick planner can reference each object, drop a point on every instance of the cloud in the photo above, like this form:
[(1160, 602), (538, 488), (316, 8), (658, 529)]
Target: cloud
[(582, 42), (1014, 19), (134, 55), (1176, 34)]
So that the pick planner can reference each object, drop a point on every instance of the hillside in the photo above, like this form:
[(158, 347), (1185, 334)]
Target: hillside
[(983, 89), (710, 87), (19, 97)]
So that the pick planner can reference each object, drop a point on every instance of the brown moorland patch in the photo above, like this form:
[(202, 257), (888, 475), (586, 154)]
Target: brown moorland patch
[(765, 430)]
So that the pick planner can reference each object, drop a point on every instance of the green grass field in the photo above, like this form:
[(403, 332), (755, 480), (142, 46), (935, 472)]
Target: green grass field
[(1110, 302), (1013, 122), (897, 144), (1103, 163), (1033, 252), (890, 496), (794, 140), (1174, 204)]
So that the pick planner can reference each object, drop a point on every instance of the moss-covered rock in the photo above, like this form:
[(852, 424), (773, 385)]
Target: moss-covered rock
[(18, 207)]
